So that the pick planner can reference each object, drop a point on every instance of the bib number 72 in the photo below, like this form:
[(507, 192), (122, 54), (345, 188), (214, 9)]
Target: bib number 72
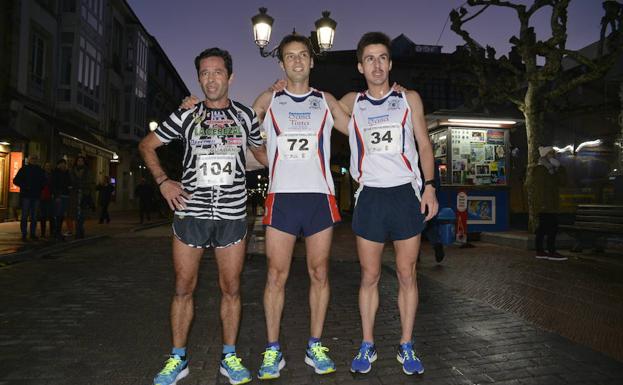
[(303, 144), (297, 146)]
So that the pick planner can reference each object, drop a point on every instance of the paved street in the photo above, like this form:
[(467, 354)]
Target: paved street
[(98, 314)]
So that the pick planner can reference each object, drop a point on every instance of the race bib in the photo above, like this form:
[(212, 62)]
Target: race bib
[(383, 139), (215, 170), (297, 145)]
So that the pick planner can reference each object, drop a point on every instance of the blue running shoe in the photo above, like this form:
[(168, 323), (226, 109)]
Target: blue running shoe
[(272, 363), (362, 363), (232, 368), (316, 357), (410, 362), (175, 368)]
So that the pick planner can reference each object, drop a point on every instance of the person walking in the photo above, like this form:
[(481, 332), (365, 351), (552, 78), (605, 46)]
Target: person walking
[(145, 195), (31, 180), (46, 204), (61, 185), (82, 184), (106, 192), (549, 176)]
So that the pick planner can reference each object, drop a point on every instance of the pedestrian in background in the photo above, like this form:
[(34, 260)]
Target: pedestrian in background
[(82, 185), (30, 179), (106, 192), (549, 176), (145, 194), (46, 206), (432, 226), (72, 202), (61, 185)]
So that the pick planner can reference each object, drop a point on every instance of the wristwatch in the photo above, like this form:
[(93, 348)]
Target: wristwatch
[(430, 182)]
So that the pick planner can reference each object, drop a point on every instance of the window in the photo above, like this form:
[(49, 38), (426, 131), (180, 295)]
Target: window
[(69, 6), (117, 44), (92, 11), (37, 62), (141, 57), (65, 66), (89, 68)]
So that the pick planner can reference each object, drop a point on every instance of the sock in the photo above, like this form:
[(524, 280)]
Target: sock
[(228, 349), (367, 344), (179, 351), (274, 344), (312, 340)]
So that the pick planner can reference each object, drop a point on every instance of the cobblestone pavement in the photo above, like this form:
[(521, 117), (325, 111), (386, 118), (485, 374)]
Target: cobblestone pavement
[(98, 314), (580, 299)]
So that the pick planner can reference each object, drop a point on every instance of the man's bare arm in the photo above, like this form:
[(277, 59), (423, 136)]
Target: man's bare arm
[(425, 152), (340, 117), (260, 154), (261, 104), (171, 190), (347, 102)]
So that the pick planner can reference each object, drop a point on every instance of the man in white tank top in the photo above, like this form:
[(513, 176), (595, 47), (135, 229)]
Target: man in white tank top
[(298, 122), (384, 127)]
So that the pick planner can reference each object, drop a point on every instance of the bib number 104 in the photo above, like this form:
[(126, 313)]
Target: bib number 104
[(215, 170)]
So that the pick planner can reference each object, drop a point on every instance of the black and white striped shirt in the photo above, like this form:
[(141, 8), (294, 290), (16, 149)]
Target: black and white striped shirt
[(214, 139)]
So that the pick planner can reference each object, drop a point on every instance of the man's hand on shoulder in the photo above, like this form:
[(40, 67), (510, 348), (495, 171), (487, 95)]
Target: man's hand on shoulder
[(189, 102), (340, 117)]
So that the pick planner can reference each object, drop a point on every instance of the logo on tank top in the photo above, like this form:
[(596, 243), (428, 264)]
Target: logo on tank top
[(299, 119), (240, 116), (374, 120), (393, 104), (314, 103)]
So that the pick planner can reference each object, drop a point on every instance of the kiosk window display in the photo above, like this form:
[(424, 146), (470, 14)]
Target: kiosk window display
[(471, 156), (474, 159)]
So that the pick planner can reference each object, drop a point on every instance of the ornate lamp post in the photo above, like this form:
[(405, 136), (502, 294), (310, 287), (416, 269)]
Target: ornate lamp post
[(263, 24)]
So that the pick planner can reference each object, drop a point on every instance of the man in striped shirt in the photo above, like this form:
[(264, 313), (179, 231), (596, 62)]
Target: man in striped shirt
[(209, 204)]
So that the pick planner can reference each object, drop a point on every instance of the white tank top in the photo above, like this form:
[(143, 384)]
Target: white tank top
[(298, 141), (382, 145)]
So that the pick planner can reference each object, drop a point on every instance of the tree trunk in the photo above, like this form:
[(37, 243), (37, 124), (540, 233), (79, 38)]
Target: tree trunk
[(534, 113)]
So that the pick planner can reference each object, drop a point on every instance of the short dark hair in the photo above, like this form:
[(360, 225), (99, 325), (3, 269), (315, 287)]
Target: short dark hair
[(215, 51), (291, 39), (370, 38), (61, 161)]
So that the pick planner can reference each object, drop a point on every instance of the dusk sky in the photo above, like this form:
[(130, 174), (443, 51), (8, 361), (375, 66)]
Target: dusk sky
[(186, 27)]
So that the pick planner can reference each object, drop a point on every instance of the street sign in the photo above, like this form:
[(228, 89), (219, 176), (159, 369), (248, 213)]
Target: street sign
[(461, 217)]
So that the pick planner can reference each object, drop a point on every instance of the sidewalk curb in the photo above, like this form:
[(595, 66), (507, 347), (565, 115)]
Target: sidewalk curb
[(29, 255)]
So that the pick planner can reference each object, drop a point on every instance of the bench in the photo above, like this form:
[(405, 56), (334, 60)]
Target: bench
[(593, 224)]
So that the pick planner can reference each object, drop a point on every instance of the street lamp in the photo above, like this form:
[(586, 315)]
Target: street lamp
[(263, 23), (325, 31), (262, 26)]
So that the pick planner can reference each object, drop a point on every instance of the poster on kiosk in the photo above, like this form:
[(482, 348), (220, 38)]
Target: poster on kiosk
[(473, 157)]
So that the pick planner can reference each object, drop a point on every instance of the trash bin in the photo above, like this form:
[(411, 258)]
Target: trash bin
[(446, 220)]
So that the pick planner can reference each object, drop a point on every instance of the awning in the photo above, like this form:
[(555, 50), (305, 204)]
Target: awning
[(8, 134), (84, 141)]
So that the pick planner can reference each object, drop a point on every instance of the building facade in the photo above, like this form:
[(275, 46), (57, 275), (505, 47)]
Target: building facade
[(77, 83)]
